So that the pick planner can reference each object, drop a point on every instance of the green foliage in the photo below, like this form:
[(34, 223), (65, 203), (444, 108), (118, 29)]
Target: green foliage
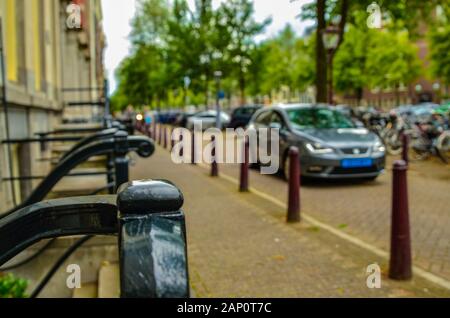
[(439, 41), (392, 60), (350, 62), (288, 62), (171, 41), (12, 287)]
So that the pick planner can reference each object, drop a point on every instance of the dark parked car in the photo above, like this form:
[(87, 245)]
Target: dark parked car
[(242, 115), (330, 144)]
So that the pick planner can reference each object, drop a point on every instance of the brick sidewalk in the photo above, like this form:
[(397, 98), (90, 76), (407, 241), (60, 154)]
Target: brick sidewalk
[(240, 246)]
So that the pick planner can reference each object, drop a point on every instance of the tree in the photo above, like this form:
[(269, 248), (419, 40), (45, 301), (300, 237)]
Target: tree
[(142, 77), (149, 25), (349, 70), (440, 46), (237, 29), (391, 61), (400, 15)]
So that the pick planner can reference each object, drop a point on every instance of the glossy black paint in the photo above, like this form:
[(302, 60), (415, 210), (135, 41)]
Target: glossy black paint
[(56, 218), (152, 241), (149, 196), (153, 249)]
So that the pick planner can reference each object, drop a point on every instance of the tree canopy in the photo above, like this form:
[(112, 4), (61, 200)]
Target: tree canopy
[(171, 41)]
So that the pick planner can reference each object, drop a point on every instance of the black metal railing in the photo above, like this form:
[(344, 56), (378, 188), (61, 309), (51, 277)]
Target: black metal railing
[(147, 217), (116, 147)]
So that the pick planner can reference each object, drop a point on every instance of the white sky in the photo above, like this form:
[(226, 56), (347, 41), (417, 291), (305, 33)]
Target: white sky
[(117, 16)]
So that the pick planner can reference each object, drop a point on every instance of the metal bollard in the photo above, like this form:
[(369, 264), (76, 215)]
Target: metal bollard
[(154, 131), (160, 134), (400, 261), (214, 166), (172, 141), (243, 184), (165, 137), (181, 148), (405, 148), (293, 215), (193, 148)]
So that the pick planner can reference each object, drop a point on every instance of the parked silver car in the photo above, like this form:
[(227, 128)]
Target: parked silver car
[(208, 119), (330, 144)]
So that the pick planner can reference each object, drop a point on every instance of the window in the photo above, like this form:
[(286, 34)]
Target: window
[(320, 118), (277, 119), (264, 118)]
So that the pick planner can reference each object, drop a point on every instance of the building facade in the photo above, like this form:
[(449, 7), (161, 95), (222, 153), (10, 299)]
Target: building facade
[(44, 55)]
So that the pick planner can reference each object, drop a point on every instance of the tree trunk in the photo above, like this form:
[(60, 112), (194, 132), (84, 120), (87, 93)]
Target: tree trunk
[(321, 58), (321, 54), (359, 95)]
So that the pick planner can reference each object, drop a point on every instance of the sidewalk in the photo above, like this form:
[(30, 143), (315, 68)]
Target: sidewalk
[(240, 246)]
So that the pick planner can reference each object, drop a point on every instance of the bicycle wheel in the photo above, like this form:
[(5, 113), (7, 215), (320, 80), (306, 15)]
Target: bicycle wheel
[(443, 146), (393, 142)]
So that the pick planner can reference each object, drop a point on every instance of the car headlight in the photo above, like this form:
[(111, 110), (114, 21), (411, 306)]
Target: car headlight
[(379, 147), (318, 149)]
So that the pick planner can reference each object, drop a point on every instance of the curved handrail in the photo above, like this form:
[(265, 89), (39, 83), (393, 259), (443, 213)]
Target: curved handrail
[(56, 218), (146, 214), (107, 133), (140, 144)]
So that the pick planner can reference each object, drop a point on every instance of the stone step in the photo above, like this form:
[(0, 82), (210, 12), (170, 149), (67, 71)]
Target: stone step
[(88, 290), (76, 186), (109, 280)]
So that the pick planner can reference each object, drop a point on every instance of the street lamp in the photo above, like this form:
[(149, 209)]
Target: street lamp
[(330, 39), (218, 77)]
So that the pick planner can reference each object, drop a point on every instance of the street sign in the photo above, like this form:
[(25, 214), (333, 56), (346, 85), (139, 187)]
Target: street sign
[(221, 94)]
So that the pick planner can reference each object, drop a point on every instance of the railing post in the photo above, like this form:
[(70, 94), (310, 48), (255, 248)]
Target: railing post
[(152, 240), (294, 186), (243, 184), (121, 161), (214, 166), (110, 171), (400, 261)]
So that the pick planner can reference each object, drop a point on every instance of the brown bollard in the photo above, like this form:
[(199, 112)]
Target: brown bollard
[(165, 138), (193, 148), (160, 134), (294, 186), (400, 261), (405, 148), (154, 131), (172, 141), (181, 144), (243, 184), (214, 166)]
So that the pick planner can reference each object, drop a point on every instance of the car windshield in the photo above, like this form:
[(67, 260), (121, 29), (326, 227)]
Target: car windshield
[(321, 118)]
